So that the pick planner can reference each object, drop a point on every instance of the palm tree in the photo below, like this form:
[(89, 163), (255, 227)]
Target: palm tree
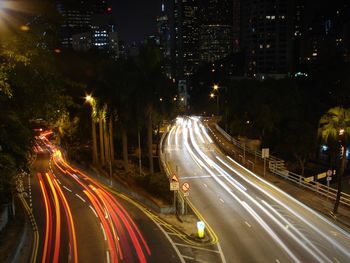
[(149, 63), (92, 101), (335, 127)]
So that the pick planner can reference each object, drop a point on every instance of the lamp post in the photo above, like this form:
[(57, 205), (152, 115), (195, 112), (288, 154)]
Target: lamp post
[(341, 168), (216, 93), (90, 100), (212, 95)]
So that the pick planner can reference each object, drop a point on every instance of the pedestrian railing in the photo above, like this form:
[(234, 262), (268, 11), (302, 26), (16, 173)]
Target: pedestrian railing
[(276, 167)]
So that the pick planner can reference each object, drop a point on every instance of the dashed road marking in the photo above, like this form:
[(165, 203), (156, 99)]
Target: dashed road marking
[(82, 199), (247, 224), (93, 210), (222, 201), (107, 254), (205, 185), (67, 188), (104, 233)]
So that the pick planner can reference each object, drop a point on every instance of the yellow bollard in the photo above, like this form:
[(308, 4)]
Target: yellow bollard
[(200, 228)]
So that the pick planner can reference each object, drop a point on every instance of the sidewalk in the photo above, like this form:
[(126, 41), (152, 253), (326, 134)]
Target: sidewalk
[(309, 198), (16, 239)]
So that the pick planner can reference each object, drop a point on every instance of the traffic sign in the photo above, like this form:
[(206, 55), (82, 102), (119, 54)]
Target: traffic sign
[(174, 186), (329, 178), (329, 173), (185, 187), (174, 178), (265, 152), (174, 183), (186, 194)]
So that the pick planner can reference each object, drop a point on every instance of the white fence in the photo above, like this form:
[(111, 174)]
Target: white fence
[(276, 166)]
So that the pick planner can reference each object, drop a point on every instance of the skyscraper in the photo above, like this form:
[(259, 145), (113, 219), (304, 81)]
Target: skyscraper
[(164, 36), (267, 30), (87, 24), (216, 39), (185, 35)]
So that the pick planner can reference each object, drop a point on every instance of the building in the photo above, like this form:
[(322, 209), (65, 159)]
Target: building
[(267, 37), (185, 37), (216, 35), (75, 20), (87, 24), (326, 33), (236, 25), (164, 38)]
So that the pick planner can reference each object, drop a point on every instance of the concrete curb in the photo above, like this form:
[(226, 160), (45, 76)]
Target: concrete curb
[(20, 249)]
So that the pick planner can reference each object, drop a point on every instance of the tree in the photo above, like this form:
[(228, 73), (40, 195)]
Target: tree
[(335, 128)]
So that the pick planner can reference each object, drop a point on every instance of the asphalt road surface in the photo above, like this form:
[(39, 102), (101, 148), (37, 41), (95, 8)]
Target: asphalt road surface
[(254, 220), (79, 220)]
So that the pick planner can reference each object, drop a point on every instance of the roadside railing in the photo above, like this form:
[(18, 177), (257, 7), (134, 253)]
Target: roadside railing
[(276, 167)]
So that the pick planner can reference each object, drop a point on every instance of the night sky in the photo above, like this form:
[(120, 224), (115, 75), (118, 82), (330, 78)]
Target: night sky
[(135, 19)]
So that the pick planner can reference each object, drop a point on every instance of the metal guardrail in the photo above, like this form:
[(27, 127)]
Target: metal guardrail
[(316, 187)]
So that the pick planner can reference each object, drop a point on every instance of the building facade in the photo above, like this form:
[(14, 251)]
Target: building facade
[(87, 24), (216, 32), (267, 37), (185, 35)]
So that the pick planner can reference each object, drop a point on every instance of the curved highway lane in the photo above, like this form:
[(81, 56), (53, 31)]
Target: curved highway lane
[(254, 220)]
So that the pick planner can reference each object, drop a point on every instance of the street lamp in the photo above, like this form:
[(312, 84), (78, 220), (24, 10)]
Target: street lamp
[(90, 100), (212, 96), (216, 87)]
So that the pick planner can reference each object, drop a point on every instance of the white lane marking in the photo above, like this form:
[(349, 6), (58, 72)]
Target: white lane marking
[(195, 177), (221, 253), (247, 224), (67, 188), (336, 260), (205, 185), (195, 259), (293, 212), (82, 199), (104, 232), (58, 181), (169, 239), (107, 254), (199, 248), (277, 261), (93, 210), (222, 201)]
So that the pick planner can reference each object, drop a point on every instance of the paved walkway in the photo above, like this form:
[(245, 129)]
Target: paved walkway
[(311, 199)]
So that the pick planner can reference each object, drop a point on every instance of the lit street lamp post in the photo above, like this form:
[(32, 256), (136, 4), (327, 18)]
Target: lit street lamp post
[(89, 99), (212, 95)]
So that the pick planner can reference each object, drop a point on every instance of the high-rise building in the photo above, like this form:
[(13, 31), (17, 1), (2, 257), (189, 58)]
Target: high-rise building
[(87, 24), (185, 35), (216, 39), (236, 25), (326, 33), (267, 37), (164, 37)]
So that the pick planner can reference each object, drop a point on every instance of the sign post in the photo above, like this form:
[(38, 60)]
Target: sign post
[(265, 153), (185, 187), (174, 186), (329, 178)]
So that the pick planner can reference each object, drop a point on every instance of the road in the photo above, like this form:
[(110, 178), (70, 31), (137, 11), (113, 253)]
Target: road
[(254, 220), (80, 220)]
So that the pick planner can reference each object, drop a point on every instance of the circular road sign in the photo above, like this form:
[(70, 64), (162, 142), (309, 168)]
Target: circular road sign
[(329, 173), (185, 187)]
